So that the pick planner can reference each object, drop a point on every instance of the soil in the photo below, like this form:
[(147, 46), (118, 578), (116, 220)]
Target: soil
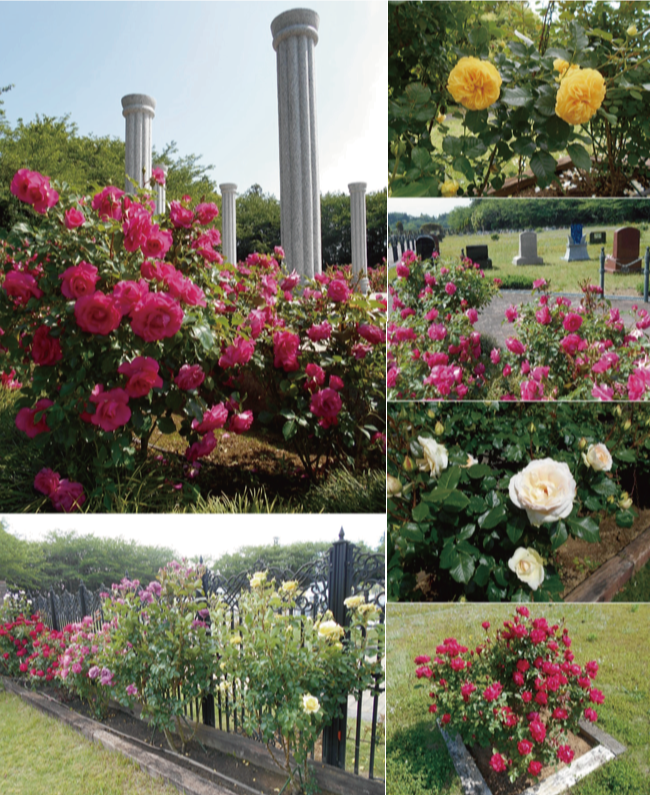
[(577, 559), (499, 782), (240, 776)]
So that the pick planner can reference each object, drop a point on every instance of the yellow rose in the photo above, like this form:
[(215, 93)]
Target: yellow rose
[(449, 187), (440, 118), (528, 566), (290, 586), (258, 579), (330, 629), (475, 84), (236, 640), (560, 65), (354, 601), (310, 704), (632, 31), (580, 95)]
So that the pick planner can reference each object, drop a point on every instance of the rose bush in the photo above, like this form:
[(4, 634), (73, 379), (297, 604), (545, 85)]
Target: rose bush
[(519, 693), (290, 673), (119, 324), (482, 496), (576, 84)]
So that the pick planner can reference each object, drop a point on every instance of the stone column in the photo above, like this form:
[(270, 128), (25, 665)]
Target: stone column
[(295, 35), (161, 192), (358, 234), (138, 110), (229, 221)]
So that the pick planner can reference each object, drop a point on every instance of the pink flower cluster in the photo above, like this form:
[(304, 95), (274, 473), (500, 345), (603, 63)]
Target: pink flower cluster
[(65, 495)]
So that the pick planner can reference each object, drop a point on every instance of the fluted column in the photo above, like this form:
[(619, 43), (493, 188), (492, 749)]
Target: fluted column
[(358, 234), (161, 192), (229, 221), (295, 35), (138, 110)]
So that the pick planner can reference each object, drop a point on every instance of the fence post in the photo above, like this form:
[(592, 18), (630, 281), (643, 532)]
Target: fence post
[(55, 620), (82, 600), (602, 270), (339, 588), (207, 703)]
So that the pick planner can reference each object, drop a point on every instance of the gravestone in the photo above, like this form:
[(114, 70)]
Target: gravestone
[(479, 255), (625, 254), (597, 238), (527, 250), (425, 245), (576, 245)]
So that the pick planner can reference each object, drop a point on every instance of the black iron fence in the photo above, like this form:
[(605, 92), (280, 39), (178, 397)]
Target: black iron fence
[(323, 584)]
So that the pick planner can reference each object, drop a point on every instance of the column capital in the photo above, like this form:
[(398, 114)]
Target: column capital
[(357, 187), (134, 103), (295, 22), (228, 187)]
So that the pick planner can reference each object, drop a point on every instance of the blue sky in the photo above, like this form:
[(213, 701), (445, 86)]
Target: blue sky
[(211, 68)]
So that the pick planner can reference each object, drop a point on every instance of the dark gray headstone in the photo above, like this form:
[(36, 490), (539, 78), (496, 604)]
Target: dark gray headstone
[(479, 255), (425, 245), (597, 238)]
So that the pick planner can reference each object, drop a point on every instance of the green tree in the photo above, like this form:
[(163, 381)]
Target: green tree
[(20, 561), (258, 222), (186, 176)]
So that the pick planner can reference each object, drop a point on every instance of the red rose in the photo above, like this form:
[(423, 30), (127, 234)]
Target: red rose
[(202, 448), (25, 419), (157, 316), (46, 350), (158, 242), (206, 212), (537, 730), (68, 497), (180, 216), (33, 188), (97, 314), (74, 218), (534, 768), (338, 291), (320, 331), (524, 747), (498, 763), (240, 423), (565, 754), (47, 482), (326, 404), (127, 294), (214, 417), (190, 376)]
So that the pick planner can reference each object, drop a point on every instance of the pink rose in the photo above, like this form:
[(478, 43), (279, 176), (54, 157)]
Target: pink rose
[(285, 350), (437, 332), (572, 322), (180, 216), (535, 768), (543, 316), (511, 314), (531, 390), (21, 287), (450, 288), (136, 227), (316, 372), (97, 314), (158, 242), (203, 244), (74, 218), (326, 404), (336, 383), (572, 343), (515, 346), (240, 423), (26, 418), (338, 291), (68, 497), (495, 356), (472, 315), (79, 280), (189, 377), (240, 352), (33, 188), (47, 482), (45, 349), (206, 212), (498, 763), (372, 334), (156, 317), (158, 175), (142, 374), (213, 418), (201, 449), (290, 282), (524, 747), (391, 377), (127, 294), (112, 409), (107, 203), (320, 331)]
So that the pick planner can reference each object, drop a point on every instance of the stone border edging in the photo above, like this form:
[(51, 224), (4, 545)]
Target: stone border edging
[(608, 580), (473, 782)]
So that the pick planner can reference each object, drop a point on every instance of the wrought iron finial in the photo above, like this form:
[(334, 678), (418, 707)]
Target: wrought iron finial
[(341, 535)]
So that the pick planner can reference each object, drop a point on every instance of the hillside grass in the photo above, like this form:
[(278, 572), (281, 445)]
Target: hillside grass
[(617, 636), (551, 246)]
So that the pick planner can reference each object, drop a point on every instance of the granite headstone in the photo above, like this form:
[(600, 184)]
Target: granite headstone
[(527, 250), (625, 254)]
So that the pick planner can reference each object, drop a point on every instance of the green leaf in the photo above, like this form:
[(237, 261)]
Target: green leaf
[(546, 103), (466, 532), (606, 487), (476, 504), (420, 157), (417, 93), (204, 335), (450, 478), (593, 503), (580, 156), (476, 120), (585, 528), (449, 557), (493, 517), (463, 165), (523, 146), (517, 97), (166, 425), (289, 429), (479, 471), (624, 518), (452, 145), (558, 535), (463, 570), (601, 34), (478, 36), (456, 501), (420, 512), (514, 532), (412, 532), (629, 456), (474, 148), (482, 574), (543, 167)]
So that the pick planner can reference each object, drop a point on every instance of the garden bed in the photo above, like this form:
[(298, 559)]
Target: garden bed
[(216, 763), (592, 748)]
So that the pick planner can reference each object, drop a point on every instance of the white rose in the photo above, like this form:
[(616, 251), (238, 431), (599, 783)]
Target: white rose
[(545, 489), (393, 486), (258, 579), (310, 704), (528, 566), (598, 458), (330, 629), (435, 456), (354, 601)]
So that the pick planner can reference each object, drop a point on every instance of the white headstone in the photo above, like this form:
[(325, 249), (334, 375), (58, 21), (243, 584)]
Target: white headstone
[(295, 35), (358, 234), (138, 110), (527, 250), (229, 221)]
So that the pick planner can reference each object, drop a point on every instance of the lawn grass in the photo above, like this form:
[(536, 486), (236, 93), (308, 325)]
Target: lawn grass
[(364, 749), (551, 246), (617, 636), (41, 755), (637, 588)]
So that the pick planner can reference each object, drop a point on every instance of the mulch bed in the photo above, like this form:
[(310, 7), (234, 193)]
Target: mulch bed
[(499, 782)]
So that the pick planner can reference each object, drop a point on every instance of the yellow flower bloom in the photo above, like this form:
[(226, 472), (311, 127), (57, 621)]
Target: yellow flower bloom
[(475, 84), (310, 704), (580, 95), (632, 31), (560, 65), (449, 187)]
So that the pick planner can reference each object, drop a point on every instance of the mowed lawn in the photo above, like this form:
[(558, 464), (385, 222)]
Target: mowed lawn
[(551, 247), (617, 636)]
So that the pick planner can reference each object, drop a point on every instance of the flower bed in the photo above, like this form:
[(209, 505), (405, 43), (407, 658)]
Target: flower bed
[(117, 324), (481, 499), (556, 350)]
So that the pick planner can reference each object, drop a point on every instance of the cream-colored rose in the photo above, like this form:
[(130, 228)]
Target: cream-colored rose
[(393, 486), (470, 462), (291, 586), (310, 704), (435, 456), (632, 31), (330, 630), (528, 566), (354, 601), (258, 579), (545, 489), (236, 640), (597, 457), (625, 502)]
